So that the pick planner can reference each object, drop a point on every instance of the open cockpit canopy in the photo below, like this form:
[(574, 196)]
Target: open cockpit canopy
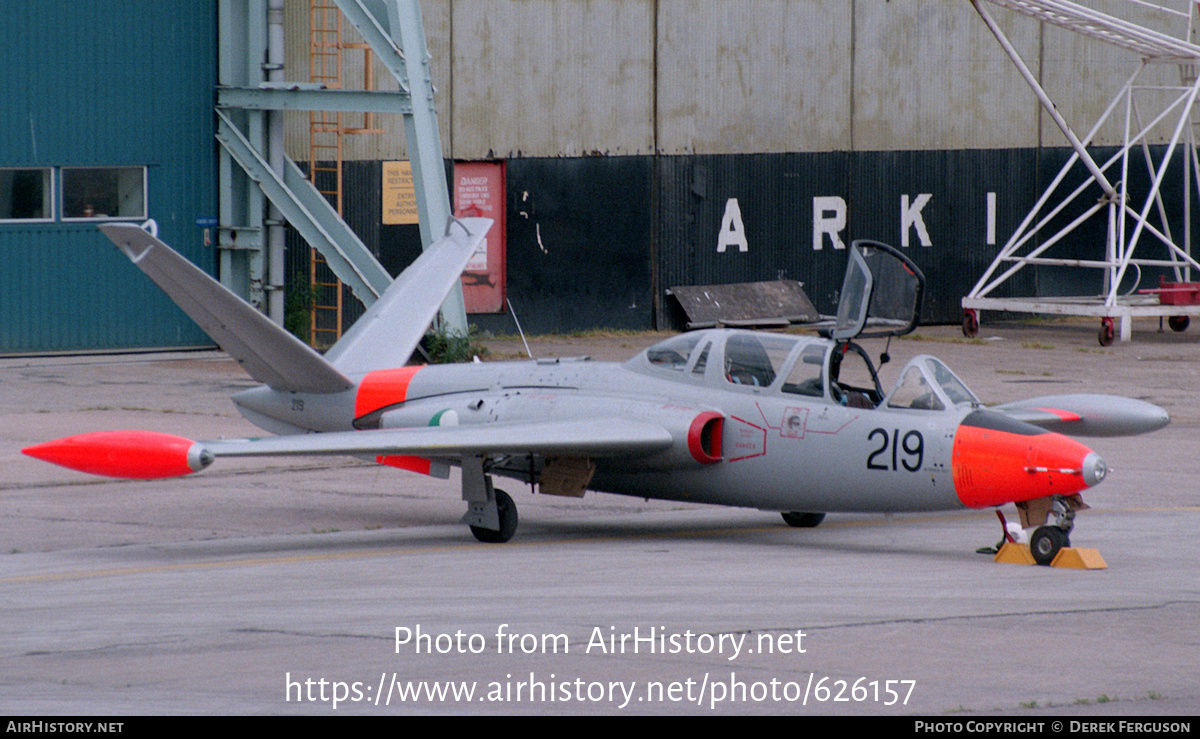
[(881, 293)]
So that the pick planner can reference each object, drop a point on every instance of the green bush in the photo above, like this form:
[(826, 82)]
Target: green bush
[(441, 346), (299, 299)]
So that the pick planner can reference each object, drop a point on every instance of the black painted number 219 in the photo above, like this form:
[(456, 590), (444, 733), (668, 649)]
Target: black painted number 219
[(906, 451)]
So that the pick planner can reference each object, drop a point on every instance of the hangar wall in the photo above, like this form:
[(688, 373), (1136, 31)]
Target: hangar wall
[(99, 93), (901, 121), (550, 78)]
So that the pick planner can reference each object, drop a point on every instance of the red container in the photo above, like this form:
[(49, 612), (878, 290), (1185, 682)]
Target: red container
[(1178, 293)]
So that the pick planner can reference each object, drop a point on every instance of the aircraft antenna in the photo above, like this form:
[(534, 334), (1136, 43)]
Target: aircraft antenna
[(518, 322)]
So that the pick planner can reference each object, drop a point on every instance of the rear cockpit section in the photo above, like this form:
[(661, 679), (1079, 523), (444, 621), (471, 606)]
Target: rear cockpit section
[(853, 381), (807, 373)]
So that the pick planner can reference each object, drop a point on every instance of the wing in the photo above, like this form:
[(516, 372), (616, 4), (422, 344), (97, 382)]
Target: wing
[(594, 437), (145, 455), (1088, 415)]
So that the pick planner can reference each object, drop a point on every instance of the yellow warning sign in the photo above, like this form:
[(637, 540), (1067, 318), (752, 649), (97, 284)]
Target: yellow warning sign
[(399, 195)]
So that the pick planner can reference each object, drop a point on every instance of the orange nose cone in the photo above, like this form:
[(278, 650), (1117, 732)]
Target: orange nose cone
[(135, 455), (998, 460)]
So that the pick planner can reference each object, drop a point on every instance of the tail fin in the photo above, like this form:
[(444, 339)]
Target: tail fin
[(269, 353), (387, 334)]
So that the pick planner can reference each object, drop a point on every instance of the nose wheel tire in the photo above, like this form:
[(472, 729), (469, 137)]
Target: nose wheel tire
[(507, 510), (1046, 543), (800, 520), (1106, 332)]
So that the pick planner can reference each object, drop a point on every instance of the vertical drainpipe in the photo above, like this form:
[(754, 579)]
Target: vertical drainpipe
[(275, 157), (657, 310)]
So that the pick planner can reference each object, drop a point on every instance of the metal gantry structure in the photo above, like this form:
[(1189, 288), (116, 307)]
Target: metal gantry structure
[(1135, 220), (326, 138), (251, 98)]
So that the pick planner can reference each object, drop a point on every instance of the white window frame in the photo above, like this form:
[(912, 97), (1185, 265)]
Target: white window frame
[(126, 216)]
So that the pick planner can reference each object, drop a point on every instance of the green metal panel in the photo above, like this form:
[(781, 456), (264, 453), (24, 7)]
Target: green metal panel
[(125, 83)]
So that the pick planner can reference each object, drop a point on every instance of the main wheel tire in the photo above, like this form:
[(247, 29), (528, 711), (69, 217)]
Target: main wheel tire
[(1046, 543), (799, 520), (507, 510), (1107, 333), (1179, 323)]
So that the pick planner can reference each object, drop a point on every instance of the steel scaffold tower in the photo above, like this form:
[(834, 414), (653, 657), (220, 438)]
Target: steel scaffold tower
[(251, 95), (1132, 218)]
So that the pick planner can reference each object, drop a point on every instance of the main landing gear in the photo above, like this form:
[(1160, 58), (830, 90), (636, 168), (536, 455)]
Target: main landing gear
[(506, 511), (800, 520), (491, 513)]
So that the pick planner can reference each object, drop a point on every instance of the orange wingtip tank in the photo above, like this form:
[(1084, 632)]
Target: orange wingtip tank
[(138, 455)]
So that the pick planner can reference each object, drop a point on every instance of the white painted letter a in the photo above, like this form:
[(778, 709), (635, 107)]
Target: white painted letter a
[(732, 230)]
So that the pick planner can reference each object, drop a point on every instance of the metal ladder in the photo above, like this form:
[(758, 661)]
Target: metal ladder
[(326, 130)]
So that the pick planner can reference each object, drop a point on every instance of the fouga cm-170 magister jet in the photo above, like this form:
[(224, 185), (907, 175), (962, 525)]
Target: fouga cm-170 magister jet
[(788, 423)]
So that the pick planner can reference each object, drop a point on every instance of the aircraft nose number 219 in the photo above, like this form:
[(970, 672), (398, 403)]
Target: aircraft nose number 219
[(906, 451)]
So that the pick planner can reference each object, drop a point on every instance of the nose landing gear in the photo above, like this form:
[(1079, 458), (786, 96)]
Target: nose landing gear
[(1049, 539)]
